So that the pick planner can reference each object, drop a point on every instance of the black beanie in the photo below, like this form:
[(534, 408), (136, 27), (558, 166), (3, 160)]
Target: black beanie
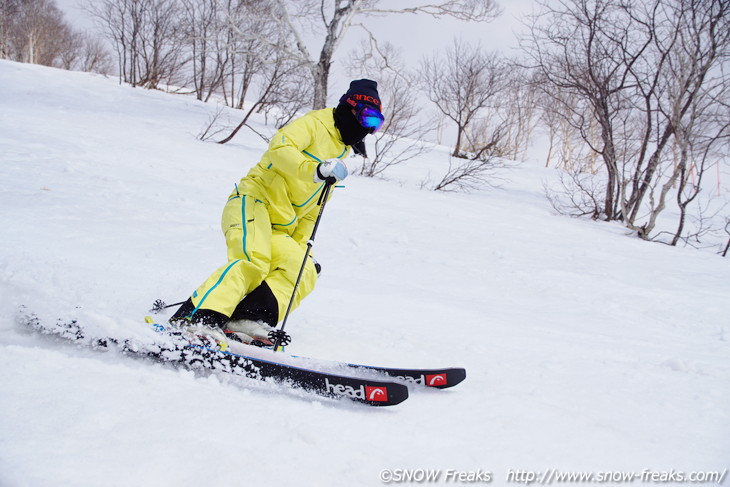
[(364, 92)]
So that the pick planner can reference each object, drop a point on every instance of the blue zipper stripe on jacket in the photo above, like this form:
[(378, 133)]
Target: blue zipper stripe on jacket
[(313, 195), (220, 279), (321, 186), (285, 224), (299, 206), (320, 160), (310, 198), (313, 156), (243, 223)]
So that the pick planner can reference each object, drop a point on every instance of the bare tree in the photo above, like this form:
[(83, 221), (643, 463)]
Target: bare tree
[(288, 95), (35, 32), (639, 82), (161, 46), (248, 56), (587, 48), (32, 22), (94, 56), (8, 14), (199, 30), (680, 97), (147, 37), (332, 19), (215, 125), (280, 92), (400, 138), (580, 193), (70, 45), (469, 174), (464, 83), (520, 108), (264, 70)]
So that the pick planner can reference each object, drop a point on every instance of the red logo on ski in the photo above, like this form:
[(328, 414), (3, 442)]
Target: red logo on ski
[(378, 394), (436, 380)]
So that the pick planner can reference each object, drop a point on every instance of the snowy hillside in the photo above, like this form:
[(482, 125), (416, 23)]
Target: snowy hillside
[(585, 349)]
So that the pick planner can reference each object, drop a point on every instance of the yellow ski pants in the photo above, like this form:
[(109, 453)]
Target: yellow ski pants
[(256, 252)]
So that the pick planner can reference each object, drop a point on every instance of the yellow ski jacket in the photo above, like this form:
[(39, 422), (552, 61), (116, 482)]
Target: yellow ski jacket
[(284, 178)]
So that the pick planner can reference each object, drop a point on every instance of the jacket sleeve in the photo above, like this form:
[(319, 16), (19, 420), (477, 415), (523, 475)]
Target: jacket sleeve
[(286, 148), (305, 226)]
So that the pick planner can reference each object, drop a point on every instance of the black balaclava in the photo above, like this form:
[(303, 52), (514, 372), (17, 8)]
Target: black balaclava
[(350, 129), (362, 92)]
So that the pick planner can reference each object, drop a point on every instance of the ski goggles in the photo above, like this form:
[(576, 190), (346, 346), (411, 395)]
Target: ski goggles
[(369, 117)]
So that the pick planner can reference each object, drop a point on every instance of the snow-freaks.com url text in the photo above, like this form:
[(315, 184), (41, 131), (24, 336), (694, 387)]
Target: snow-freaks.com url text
[(553, 476), (550, 476)]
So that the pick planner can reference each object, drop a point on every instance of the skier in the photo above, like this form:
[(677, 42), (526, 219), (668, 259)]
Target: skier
[(270, 215)]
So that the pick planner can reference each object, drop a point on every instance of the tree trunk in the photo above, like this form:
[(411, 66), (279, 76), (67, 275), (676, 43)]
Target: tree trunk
[(457, 146), (320, 74)]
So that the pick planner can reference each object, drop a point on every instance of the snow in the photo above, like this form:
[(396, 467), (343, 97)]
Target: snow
[(585, 348)]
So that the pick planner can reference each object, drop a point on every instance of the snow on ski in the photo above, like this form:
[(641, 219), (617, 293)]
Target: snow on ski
[(363, 390), (439, 378), (195, 352)]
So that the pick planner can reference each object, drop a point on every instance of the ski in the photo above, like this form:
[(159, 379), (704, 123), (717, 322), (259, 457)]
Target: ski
[(436, 378), (196, 352), (432, 378), (363, 390)]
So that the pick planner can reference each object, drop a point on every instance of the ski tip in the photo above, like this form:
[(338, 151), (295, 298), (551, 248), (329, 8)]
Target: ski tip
[(453, 377), (442, 378), (364, 391), (385, 394)]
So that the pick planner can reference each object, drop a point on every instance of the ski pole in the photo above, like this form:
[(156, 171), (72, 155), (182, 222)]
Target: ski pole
[(279, 336), (159, 305)]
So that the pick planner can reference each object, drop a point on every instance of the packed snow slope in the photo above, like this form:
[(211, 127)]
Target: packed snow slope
[(586, 349)]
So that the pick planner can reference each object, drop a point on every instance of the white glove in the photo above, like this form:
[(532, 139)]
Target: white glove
[(331, 171)]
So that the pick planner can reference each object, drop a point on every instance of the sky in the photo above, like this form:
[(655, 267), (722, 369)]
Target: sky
[(414, 35)]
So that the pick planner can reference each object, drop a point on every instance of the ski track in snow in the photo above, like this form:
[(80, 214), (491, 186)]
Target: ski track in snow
[(585, 349)]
